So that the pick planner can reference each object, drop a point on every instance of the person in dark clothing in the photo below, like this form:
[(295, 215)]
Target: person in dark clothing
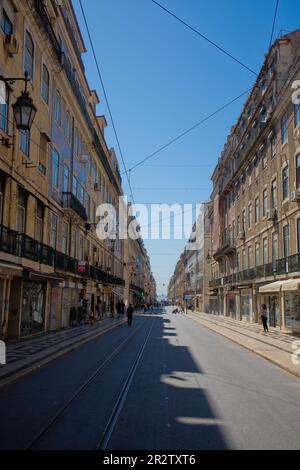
[(264, 317), (73, 316), (129, 315)]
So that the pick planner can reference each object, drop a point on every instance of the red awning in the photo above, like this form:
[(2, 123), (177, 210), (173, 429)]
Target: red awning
[(38, 276)]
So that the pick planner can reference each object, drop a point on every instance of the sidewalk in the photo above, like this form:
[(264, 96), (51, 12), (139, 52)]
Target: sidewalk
[(26, 355), (275, 346)]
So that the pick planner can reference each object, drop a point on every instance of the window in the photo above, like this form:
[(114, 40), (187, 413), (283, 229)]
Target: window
[(256, 216), (297, 112), (65, 232), (265, 250), (89, 166), (256, 254), (249, 216), (81, 248), (95, 176), (6, 24), (273, 143), (274, 195), (55, 169), (298, 171), (53, 230), (284, 128), (93, 212), (4, 107), (274, 247), (265, 203), (68, 127), (74, 186), (45, 84), (88, 207), (80, 193), (285, 182), (43, 152), (298, 235), (243, 259), (249, 256), (66, 179), (238, 226), (76, 141), (57, 108), (24, 142), (286, 241), (39, 222), (73, 243), (243, 219), (21, 211), (264, 160), (29, 54)]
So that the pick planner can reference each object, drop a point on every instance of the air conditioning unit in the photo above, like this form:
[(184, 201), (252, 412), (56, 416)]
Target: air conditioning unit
[(271, 215), (295, 195), (242, 235), (11, 44)]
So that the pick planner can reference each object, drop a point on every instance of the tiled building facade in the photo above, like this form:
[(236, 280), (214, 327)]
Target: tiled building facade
[(53, 178)]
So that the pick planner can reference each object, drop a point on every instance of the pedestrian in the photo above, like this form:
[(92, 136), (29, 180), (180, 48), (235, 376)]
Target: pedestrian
[(264, 318), (73, 316), (129, 314)]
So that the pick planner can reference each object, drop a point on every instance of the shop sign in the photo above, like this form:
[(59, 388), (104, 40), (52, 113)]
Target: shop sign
[(81, 267)]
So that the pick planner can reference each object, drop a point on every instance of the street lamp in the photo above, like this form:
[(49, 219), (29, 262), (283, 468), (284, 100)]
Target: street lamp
[(24, 110)]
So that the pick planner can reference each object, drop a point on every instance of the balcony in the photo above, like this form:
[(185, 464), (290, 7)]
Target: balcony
[(46, 23), (226, 246), (9, 241), (73, 206), (281, 266)]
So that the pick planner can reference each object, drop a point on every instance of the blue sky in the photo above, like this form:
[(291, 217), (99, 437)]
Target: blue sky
[(161, 79)]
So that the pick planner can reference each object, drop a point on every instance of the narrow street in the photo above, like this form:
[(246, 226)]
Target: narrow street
[(164, 383)]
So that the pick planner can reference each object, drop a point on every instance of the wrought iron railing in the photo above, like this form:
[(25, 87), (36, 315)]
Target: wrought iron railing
[(20, 244), (69, 201)]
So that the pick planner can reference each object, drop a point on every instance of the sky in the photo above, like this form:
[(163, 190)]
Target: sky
[(161, 79)]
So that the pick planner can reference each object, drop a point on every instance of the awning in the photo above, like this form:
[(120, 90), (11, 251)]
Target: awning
[(291, 284), (39, 276), (118, 293), (277, 286)]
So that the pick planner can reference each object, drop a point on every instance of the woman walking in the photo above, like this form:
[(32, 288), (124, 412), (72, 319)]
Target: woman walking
[(264, 317)]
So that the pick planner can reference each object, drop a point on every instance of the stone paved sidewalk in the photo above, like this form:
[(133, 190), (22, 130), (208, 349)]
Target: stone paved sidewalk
[(275, 346), (28, 354)]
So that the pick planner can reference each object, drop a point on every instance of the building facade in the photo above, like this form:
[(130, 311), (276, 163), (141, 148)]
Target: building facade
[(53, 177), (189, 285), (255, 212)]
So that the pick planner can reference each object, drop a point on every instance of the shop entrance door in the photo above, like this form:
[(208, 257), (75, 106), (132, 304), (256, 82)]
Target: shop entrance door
[(274, 312)]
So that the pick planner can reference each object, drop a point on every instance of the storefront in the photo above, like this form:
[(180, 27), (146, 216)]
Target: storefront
[(33, 307), (282, 299), (292, 310), (231, 309), (246, 304)]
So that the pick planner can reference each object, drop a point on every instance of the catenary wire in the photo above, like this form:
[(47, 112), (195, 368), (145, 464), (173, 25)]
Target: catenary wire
[(221, 49), (187, 131), (274, 21)]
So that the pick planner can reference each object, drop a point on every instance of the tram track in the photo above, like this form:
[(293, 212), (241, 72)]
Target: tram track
[(59, 416)]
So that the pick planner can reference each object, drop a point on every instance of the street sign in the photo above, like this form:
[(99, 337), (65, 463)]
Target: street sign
[(188, 297)]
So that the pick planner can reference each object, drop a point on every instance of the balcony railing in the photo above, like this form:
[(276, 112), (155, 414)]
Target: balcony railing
[(19, 244), (281, 266), (9, 241), (69, 201), (43, 15)]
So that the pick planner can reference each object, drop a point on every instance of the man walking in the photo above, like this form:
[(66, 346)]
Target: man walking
[(129, 314)]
